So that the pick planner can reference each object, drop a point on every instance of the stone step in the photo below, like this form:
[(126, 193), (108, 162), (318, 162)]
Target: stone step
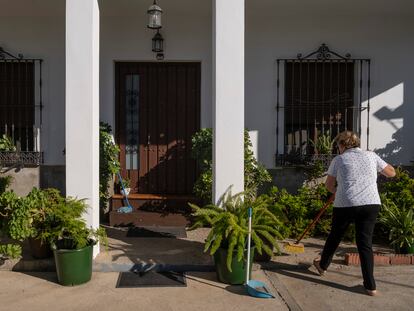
[(148, 218), (154, 202)]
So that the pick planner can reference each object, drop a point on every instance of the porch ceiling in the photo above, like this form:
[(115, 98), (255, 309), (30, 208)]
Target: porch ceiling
[(331, 7), (202, 7)]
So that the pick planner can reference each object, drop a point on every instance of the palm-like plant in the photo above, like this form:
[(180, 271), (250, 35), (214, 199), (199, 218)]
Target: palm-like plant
[(323, 144), (399, 222), (229, 225)]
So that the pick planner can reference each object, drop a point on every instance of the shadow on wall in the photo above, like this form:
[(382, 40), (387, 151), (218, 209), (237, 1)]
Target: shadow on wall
[(395, 151), (167, 170)]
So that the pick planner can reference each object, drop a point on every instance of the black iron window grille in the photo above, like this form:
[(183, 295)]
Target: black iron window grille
[(20, 109), (322, 93)]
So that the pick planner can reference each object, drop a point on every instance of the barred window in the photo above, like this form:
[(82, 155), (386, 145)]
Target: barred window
[(322, 94), (20, 109)]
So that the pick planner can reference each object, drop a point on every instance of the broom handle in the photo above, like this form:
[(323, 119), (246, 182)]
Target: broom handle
[(248, 245), (322, 210)]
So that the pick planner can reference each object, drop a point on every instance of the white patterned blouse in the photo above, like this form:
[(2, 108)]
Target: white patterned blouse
[(356, 172)]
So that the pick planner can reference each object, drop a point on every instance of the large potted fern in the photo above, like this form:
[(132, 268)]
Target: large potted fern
[(227, 239), (71, 240)]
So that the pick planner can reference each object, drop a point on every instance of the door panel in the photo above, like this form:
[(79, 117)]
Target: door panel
[(158, 107)]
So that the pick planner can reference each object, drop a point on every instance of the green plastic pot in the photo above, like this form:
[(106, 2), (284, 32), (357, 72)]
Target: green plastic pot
[(238, 274), (73, 266)]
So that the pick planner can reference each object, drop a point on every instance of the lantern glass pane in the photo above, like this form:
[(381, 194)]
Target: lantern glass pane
[(154, 20), (157, 45)]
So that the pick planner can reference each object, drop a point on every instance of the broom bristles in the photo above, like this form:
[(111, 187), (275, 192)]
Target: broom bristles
[(294, 247)]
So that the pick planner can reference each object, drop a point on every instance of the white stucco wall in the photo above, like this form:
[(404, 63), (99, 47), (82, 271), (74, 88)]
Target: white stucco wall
[(386, 39), (274, 29)]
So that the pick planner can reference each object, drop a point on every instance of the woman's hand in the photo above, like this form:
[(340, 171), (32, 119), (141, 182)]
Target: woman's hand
[(388, 171)]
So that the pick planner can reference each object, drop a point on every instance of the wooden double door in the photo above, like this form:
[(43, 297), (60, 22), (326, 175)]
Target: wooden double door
[(157, 112)]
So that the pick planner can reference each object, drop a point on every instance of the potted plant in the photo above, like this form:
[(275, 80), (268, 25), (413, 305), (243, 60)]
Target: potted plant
[(399, 222), (71, 240), (41, 206), (229, 229), (124, 185)]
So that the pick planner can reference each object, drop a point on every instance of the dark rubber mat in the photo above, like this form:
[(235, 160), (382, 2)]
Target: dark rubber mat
[(157, 232), (151, 279)]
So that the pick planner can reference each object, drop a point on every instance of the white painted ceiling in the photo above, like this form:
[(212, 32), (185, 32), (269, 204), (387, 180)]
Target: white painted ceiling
[(201, 7)]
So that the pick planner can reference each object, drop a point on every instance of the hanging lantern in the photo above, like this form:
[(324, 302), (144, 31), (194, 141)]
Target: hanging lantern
[(154, 16), (158, 43)]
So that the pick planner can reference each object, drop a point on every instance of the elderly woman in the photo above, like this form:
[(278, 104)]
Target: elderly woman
[(352, 176)]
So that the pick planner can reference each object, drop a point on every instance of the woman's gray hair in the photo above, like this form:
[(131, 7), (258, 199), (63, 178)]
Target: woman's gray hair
[(348, 140)]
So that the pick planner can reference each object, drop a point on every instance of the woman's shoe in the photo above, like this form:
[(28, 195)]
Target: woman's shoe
[(371, 292), (318, 267)]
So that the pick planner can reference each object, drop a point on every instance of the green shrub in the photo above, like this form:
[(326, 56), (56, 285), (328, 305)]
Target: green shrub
[(46, 215), (255, 174), (399, 190), (15, 222), (5, 182), (397, 212), (10, 251), (108, 162), (6, 143)]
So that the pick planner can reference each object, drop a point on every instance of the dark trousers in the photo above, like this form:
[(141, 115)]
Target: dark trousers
[(364, 218)]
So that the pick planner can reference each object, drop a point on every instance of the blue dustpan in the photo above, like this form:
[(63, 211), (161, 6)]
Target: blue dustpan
[(254, 288), (258, 289), (128, 208)]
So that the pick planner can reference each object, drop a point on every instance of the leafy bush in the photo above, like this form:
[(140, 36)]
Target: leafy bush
[(255, 174), (229, 223), (315, 169), (298, 210), (108, 162), (46, 215), (6, 143), (5, 182), (396, 215), (399, 190), (15, 222), (10, 251)]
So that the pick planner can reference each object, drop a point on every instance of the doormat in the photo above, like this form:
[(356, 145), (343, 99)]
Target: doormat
[(151, 279), (157, 232)]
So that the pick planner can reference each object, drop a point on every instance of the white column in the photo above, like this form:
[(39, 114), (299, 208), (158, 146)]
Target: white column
[(82, 105), (228, 96)]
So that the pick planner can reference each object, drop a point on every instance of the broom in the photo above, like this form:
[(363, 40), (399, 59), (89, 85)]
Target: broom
[(297, 247)]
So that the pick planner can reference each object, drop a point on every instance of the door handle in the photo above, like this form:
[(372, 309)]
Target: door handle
[(149, 140)]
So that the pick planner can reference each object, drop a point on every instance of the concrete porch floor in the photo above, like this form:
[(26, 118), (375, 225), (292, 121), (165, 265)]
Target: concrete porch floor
[(123, 250), (290, 277)]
